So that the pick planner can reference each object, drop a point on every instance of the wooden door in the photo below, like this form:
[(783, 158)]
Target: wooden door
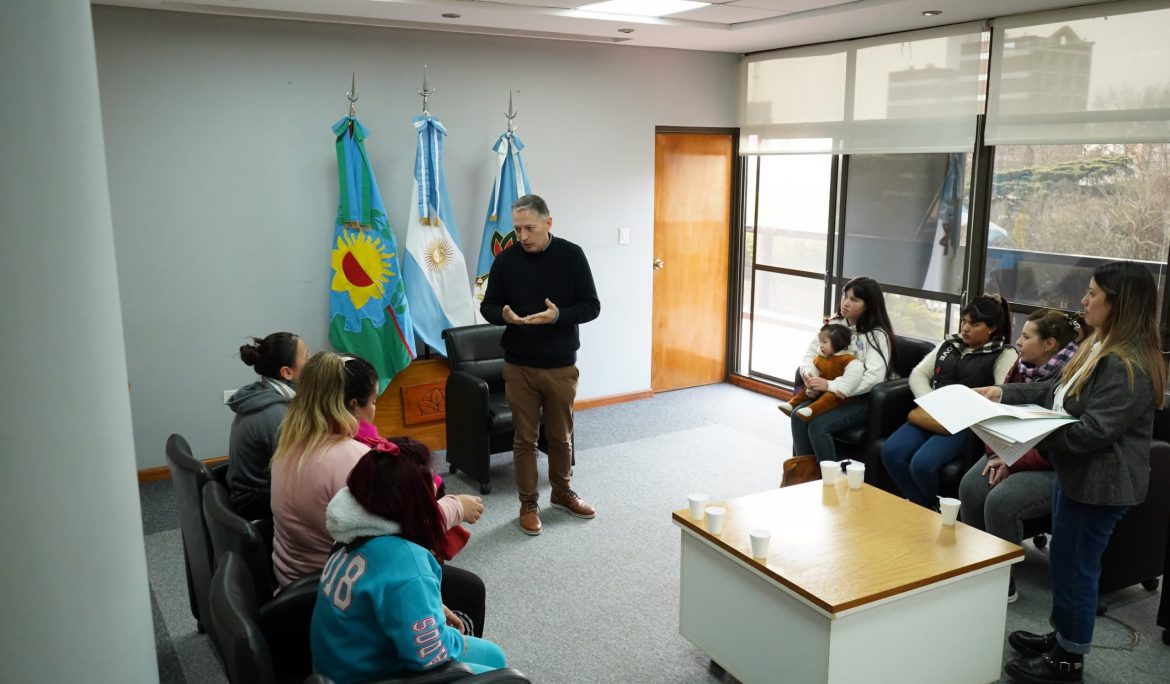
[(692, 219)]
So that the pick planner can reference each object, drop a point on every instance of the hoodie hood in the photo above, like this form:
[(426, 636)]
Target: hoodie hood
[(260, 395), (347, 520)]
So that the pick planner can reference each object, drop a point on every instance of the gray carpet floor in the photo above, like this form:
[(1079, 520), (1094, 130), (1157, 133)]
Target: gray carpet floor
[(597, 600)]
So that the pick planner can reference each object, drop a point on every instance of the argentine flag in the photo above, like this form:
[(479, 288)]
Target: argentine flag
[(498, 233), (435, 271)]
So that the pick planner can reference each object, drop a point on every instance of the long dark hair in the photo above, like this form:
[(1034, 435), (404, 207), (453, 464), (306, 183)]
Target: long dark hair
[(993, 310), (875, 316), (268, 355), (361, 379), (1129, 331), (400, 487)]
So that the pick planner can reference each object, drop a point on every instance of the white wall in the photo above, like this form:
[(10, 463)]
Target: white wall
[(76, 604), (224, 186)]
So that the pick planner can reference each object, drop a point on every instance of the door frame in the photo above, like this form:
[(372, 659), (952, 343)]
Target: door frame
[(735, 231)]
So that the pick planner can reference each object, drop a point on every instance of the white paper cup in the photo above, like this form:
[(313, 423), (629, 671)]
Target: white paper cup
[(715, 515), (856, 472), (829, 472), (698, 503), (950, 509), (760, 539)]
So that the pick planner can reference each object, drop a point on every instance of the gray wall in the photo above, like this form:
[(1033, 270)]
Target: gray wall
[(72, 564), (223, 179)]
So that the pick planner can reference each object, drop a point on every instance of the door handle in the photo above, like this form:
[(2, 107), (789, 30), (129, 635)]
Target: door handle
[(659, 264)]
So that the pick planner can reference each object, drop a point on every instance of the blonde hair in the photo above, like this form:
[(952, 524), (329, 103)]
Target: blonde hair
[(1128, 332), (317, 415)]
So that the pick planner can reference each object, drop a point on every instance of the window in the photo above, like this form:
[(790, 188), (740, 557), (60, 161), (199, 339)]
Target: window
[(786, 243), (1059, 211), (905, 220)]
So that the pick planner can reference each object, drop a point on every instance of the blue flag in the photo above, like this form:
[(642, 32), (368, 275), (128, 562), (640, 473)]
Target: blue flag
[(498, 233), (435, 271), (368, 311)]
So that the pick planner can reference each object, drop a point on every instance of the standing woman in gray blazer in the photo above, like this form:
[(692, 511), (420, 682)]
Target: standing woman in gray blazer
[(1113, 384)]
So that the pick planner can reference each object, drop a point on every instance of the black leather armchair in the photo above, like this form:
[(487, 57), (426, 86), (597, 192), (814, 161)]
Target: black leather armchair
[(1136, 553), (188, 475), (285, 618), (240, 638), (479, 419)]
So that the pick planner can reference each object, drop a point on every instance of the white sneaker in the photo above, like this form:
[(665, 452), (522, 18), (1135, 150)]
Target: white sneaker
[(786, 408), (805, 412)]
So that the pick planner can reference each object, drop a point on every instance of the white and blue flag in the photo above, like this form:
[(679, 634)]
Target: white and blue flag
[(498, 232), (435, 270)]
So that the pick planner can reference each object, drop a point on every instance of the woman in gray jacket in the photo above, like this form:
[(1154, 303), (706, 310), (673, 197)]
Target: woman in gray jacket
[(259, 408), (1113, 384)]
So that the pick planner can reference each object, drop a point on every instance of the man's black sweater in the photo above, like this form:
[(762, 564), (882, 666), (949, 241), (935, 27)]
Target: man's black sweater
[(523, 280)]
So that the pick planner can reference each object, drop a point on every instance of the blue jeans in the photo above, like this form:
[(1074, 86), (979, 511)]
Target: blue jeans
[(816, 436), (914, 457), (482, 655), (1080, 533)]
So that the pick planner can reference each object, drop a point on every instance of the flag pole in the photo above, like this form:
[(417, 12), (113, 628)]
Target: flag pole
[(510, 114), (352, 95), (425, 92)]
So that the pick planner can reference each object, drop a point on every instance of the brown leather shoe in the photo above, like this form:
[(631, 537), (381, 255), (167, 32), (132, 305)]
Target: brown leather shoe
[(568, 500), (530, 518)]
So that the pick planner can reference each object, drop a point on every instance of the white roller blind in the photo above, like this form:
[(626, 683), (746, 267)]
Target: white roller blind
[(1080, 76), (911, 92)]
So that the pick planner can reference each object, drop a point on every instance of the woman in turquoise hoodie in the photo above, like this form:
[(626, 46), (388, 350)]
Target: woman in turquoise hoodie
[(379, 608)]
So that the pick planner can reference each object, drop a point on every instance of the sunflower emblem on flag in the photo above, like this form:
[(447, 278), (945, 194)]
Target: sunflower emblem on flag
[(362, 262)]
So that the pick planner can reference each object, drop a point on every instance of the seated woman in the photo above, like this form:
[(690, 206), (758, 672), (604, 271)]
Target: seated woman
[(317, 450), (379, 610), (259, 408), (996, 498), (976, 356), (863, 310)]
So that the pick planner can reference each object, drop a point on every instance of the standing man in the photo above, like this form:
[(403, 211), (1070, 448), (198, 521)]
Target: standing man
[(542, 292)]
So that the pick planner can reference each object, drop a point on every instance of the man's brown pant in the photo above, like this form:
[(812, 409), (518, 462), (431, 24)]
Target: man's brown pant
[(533, 392)]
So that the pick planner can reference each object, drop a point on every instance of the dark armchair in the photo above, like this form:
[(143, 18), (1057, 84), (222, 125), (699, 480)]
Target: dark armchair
[(285, 617), (479, 419), (188, 475), (240, 639)]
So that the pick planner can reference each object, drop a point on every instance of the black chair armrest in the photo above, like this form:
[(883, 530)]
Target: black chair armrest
[(285, 620), (889, 404), (505, 676), (450, 672), (219, 473), (467, 396)]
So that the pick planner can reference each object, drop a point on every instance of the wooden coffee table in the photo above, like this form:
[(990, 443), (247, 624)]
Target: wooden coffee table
[(858, 586)]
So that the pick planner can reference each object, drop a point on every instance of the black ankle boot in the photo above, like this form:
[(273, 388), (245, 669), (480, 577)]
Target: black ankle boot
[(1055, 667), (1031, 645)]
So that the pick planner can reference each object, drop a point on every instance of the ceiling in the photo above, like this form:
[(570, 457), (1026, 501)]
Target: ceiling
[(724, 26)]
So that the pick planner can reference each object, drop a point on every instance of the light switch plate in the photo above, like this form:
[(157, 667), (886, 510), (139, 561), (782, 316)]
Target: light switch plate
[(623, 236)]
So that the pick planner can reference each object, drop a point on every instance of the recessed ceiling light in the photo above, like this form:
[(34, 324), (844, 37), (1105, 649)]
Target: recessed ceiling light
[(451, 15), (625, 30), (931, 13), (643, 8)]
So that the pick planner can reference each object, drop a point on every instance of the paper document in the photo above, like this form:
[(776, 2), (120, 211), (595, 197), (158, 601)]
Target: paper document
[(1010, 431)]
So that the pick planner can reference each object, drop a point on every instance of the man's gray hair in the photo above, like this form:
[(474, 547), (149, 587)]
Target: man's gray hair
[(533, 203)]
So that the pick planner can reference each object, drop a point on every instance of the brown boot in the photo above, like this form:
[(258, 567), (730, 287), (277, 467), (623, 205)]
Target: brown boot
[(530, 518), (568, 500), (800, 469)]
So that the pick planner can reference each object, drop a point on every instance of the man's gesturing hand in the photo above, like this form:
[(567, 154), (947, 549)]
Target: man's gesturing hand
[(510, 316), (549, 315)]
